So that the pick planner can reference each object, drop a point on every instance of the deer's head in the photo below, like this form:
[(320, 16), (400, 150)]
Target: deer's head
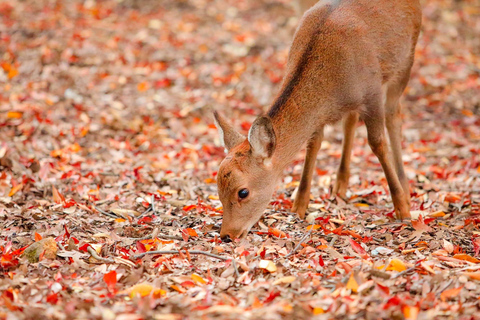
[(246, 178)]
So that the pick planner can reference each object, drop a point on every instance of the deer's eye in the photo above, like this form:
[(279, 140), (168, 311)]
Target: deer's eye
[(242, 194)]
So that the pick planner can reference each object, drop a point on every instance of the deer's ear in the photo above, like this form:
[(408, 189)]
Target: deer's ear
[(262, 138), (229, 137)]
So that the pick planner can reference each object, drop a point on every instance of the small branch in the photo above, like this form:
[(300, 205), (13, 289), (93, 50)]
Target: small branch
[(95, 255), (234, 263), (161, 236), (108, 214), (152, 204), (404, 272), (155, 234), (301, 241)]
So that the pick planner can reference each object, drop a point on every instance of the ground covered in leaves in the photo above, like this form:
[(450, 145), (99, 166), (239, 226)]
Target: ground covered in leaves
[(108, 151)]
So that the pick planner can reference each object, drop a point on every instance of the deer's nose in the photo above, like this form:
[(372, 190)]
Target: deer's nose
[(226, 239)]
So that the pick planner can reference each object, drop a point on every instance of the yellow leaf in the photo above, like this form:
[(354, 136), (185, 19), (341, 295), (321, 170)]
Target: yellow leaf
[(288, 279), (14, 115), (352, 284), (437, 214), (15, 189), (410, 312), (141, 289), (318, 311), (157, 293), (213, 197), (363, 205), (267, 265), (287, 308), (198, 279), (396, 265)]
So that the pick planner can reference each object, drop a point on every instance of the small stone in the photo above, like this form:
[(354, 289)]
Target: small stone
[(47, 246)]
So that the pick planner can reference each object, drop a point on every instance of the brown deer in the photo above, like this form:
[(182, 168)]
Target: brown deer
[(349, 59)]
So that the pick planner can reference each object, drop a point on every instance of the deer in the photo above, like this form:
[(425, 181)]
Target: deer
[(350, 60)]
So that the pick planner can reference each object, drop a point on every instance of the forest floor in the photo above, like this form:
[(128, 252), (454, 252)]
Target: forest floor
[(108, 150)]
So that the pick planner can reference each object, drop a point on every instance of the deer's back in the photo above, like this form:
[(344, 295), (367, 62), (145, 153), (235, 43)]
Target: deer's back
[(342, 48)]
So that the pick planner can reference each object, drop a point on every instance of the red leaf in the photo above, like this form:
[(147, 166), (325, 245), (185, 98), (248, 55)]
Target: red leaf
[(110, 279), (84, 247), (357, 247), (271, 296), (141, 247), (53, 298), (320, 261)]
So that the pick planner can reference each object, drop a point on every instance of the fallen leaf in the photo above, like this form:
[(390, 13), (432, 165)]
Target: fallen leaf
[(396, 265), (267, 265), (450, 293)]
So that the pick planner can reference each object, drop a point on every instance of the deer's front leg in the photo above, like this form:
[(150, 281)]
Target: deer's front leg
[(343, 173), (302, 198)]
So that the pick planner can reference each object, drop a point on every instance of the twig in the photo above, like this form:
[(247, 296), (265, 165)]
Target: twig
[(334, 239), (95, 255), (155, 234), (403, 272), (152, 204), (234, 263), (161, 236), (301, 241), (108, 214)]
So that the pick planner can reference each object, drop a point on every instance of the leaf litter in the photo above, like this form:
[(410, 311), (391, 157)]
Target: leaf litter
[(108, 153)]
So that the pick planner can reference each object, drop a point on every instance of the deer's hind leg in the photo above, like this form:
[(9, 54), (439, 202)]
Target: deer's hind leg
[(374, 117), (393, 119)]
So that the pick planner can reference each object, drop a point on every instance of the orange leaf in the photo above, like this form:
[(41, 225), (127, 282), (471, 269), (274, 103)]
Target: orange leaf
[(110, 279), (14, 115), (452, 197), (57, 196), (450, 293), (12, 73), (15, 189), (352, 284), (38, 237), (191, 232), (277, 233), (315, 227), (177, 288), (256, 303), (410, 312), (143, 86), (466, 257), (473, 275)]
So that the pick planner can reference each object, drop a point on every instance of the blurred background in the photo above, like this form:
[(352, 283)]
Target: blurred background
[(128, 87)]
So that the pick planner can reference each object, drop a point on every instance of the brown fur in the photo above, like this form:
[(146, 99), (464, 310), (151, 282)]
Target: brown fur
[(349, 59)]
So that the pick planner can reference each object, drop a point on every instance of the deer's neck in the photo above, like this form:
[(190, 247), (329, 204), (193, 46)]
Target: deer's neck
[(293, 127)]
